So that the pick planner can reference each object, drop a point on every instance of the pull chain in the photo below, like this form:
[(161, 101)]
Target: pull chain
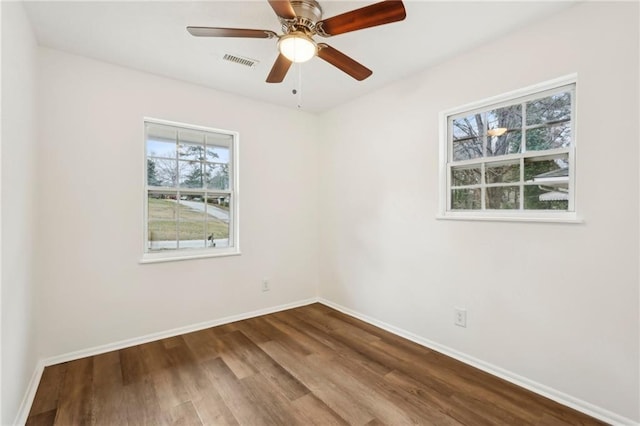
[(297, 90)]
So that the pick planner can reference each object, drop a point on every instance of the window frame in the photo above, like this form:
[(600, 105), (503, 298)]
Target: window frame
[(233, 192), (503, 100)]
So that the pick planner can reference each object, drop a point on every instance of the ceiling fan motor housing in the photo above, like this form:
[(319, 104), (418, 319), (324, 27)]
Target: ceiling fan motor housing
[(308, 12)]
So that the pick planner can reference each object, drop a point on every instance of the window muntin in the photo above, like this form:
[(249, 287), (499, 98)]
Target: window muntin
[(512, 157), (190, 191)]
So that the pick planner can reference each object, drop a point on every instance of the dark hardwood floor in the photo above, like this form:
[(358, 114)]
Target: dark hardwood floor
[(306, 366)]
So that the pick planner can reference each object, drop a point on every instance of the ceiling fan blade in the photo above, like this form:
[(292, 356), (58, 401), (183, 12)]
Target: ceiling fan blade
[(343, 62), (283, 9), (230, 32), (279, 69), (381, 13)]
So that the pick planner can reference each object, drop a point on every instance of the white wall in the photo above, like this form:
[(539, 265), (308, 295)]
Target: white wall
[(563, 314), (554, 303), (19, 355), (94, 291)]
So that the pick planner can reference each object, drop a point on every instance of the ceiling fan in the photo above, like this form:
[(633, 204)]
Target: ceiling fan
[(301, 20)]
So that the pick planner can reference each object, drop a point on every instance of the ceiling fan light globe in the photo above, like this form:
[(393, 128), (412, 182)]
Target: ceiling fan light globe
[(297, 47)]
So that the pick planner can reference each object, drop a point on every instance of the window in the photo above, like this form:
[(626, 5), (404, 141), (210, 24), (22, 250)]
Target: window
[(190, 191), (511, 157)]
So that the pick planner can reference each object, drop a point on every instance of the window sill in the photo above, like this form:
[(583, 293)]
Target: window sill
[(570, 218), (179, 256)]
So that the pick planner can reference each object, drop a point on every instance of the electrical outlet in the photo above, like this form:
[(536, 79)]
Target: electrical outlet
[(265, 285), (460, 317)]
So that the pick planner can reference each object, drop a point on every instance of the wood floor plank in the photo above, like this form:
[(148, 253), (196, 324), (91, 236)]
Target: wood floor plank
[(46, 398), (192, 378), (346, 405), (141, 404), (180, 380), (321, 334), (234, 394), (155, 357), (251, 329), (338, 325), (309, 344), (385, 403), (263, 327), (253, 355), (185, 414), (74, 403), (108, 404), (271, 402), (202, 344), (170, 390), (417, 409), (231, 351), (430, 399), (316, 412), (212, 409), (310, 365), (46, 418), (132, 364), (171, 342)]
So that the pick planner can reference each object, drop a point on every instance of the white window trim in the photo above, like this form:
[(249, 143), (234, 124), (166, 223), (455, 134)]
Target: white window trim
[(508, 215), (177, 255)]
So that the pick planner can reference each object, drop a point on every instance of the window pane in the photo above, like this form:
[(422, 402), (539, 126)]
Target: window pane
[(467, 149), (219, 139), (467, 127), (190, 136), (544, 169), (218, 211), (191, 225), (219, 201), (191, 174), (549, 137), (507, 143), (503, 197), (161, 141), (162, 215), (509, 117), (191, 152), (161, 172), (201, 222), (465, 176), (546, 197), (218, 207), (502, 172), (466, 199), (217, 233), (217, 154), (467, 140), (550, 109), (217, 176), (192, 234), (161, 148)]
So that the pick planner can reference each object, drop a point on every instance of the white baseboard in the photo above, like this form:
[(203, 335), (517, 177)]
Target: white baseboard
[(83, 353), (560, 397), (27, 401)]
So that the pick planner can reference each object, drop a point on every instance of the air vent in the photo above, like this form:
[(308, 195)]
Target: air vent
[(240, 60)]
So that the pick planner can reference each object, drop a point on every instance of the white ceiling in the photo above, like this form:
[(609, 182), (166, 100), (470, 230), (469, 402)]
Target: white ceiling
[(151, 36)]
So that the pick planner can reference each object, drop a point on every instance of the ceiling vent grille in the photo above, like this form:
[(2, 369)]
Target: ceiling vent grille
[(240, 60)]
